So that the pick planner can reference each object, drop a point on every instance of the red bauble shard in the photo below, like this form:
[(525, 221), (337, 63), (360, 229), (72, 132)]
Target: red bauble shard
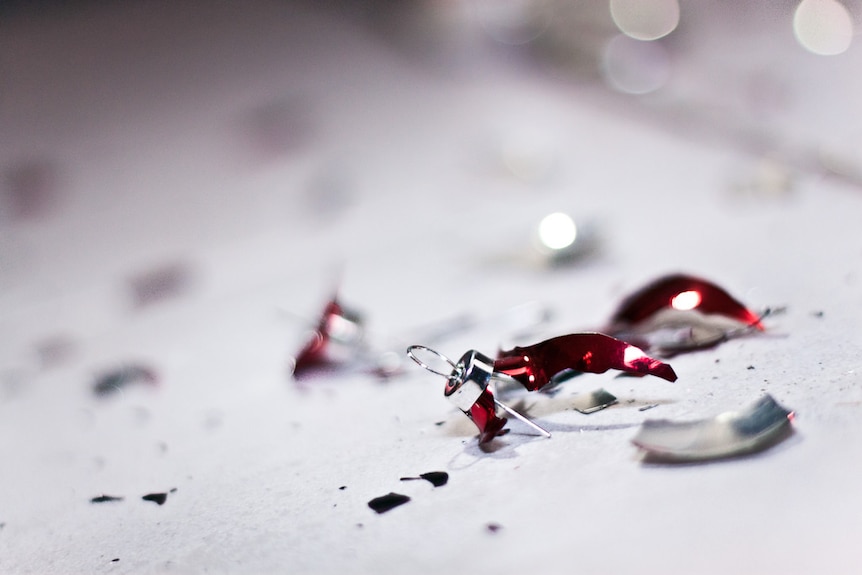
[(536, 365), (484, 415), (336, 339), (683, 293), (680, 313)]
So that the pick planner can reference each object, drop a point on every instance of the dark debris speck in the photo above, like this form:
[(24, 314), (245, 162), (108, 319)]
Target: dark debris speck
[(112, 381), (115, 559), (436, 478), (387, 502), (105, 499), (158, 498), (342, 488), (750, 367), (493, 527)]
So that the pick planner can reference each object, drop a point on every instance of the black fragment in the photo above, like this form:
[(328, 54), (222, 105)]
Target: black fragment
[(159, 498), (493, 527), (105, 499), (386, 502), (112, 381), (437, 478)]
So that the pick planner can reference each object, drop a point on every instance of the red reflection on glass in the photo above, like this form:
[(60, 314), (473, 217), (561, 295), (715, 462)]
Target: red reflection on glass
[(336, 327), (682, 292), (534, 366), (484, 415)]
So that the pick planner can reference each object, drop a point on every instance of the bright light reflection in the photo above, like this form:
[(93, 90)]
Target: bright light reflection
[(645, 19), (823, 27), (632, 354), (635, 67), (557, 231), (686, 300)]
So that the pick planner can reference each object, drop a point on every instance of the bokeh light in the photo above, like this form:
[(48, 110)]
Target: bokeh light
[(645, 19), (635, 67), (557, 231), (823, 27)]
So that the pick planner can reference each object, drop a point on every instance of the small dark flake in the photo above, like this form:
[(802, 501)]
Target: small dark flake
[(386, 502), (437, 478), (343, 487), (817, 313), (439, 423), (173, 490), (493, 527), (750, 367), (112, 381), (159, 498), (115, 560), (105, 499)]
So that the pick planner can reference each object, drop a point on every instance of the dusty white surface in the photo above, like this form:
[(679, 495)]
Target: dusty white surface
[(383, 167)]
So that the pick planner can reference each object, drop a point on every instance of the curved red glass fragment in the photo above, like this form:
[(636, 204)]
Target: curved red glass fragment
[(534, 366), (682, 292), (484, 415), (313, 353)]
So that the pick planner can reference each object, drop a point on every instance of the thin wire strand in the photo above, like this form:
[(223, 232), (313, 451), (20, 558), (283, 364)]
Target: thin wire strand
[(412, 355)]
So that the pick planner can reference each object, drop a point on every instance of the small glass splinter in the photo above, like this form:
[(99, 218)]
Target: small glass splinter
[(467, 387)]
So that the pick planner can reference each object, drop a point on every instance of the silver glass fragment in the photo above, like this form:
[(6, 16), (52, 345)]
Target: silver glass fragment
[(593, 401), (752, 429)]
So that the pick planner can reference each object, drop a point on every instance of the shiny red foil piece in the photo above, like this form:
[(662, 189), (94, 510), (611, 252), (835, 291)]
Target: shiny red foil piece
[(682, 292), (314, 355), (484, 415), (534, 366)]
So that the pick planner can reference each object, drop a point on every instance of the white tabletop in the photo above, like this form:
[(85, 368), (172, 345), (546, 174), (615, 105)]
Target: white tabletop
[(182, 183)]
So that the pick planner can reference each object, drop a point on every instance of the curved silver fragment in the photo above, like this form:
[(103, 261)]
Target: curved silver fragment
[(755, 428)]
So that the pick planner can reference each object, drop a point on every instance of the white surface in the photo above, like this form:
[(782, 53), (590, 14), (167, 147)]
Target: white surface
[(143, 110)]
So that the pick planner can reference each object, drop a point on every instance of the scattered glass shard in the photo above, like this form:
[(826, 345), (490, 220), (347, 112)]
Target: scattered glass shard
[(158, 498), (113, 381), (387, 502), (593, 401), (436, 478), (752, 429), (336, 339), (535, 366), (679, 313), (484, 415), (106, 499)]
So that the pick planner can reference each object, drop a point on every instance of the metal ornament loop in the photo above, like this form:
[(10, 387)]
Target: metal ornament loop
[(412, 355)]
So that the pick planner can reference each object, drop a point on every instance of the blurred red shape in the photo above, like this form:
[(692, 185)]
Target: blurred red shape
[(682, 292)]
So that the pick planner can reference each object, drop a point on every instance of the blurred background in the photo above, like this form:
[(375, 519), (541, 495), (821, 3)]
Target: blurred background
[(184, 185)]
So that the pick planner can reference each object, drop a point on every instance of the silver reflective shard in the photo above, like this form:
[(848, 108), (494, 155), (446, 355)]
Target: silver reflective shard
[(593, 401), (752, 429)]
